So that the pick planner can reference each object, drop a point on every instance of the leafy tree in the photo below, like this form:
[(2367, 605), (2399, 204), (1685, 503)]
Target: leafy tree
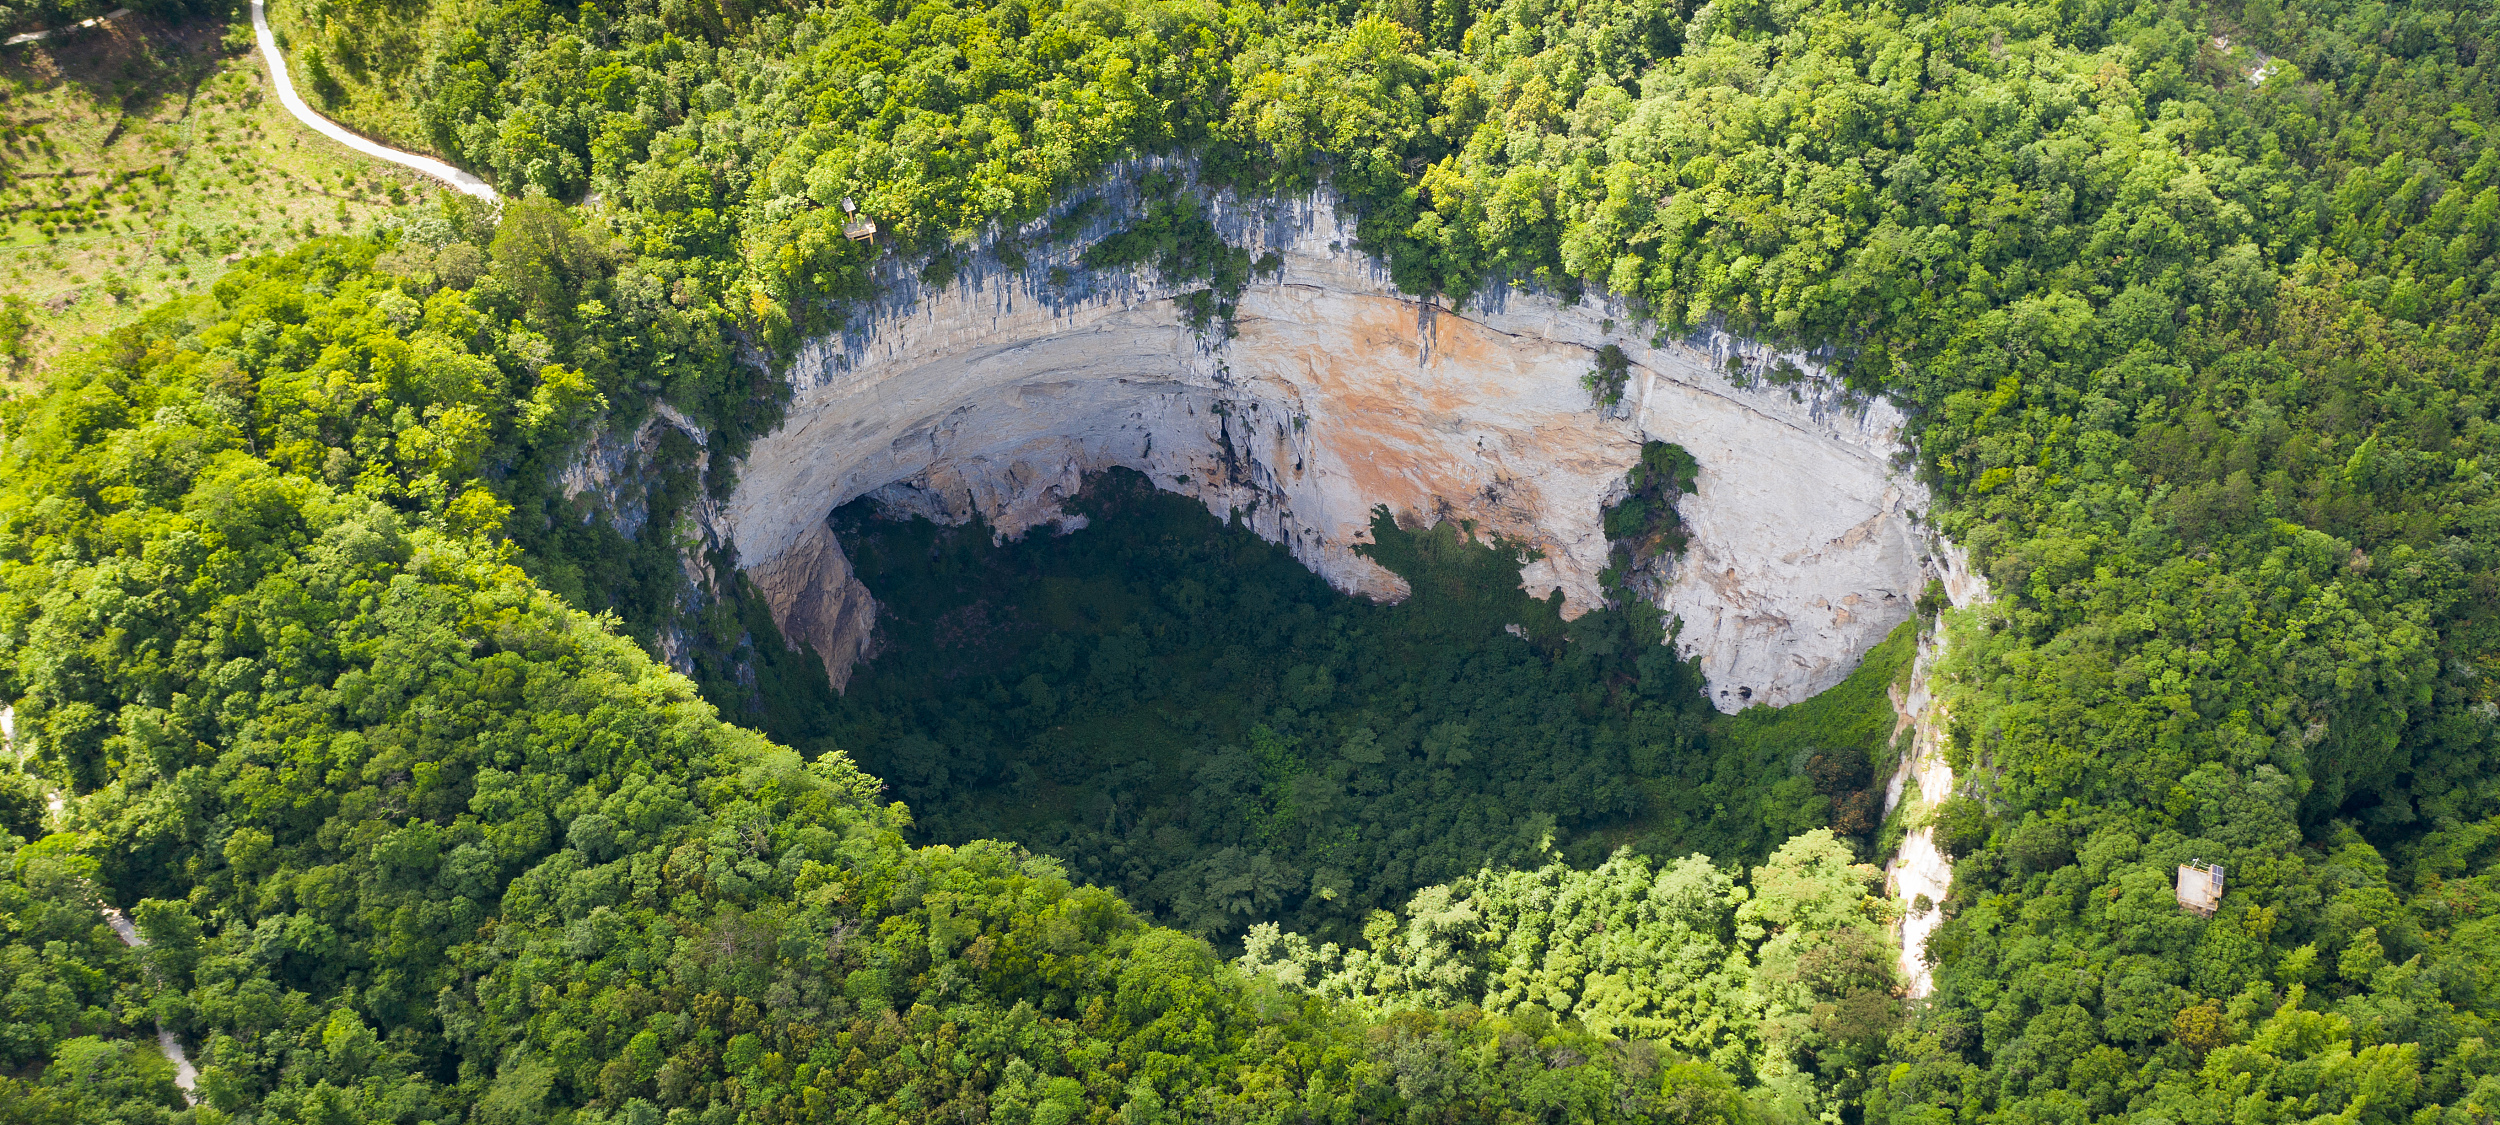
[(15, 322)]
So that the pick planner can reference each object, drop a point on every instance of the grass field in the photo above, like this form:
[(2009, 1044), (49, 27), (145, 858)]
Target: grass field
[(138, 161)]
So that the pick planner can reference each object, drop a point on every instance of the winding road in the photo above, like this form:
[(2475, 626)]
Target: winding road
[(460, 181)]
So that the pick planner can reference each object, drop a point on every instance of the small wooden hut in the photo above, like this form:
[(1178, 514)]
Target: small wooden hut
[(2200, 887)]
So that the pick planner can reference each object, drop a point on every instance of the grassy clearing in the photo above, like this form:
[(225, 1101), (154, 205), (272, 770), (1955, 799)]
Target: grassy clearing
[(138, 161)]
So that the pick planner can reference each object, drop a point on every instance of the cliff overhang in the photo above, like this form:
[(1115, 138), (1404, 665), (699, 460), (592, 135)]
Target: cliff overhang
[(1330, 393)]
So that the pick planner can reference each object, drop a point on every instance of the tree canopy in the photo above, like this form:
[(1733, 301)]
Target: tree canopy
[(2189, 305)]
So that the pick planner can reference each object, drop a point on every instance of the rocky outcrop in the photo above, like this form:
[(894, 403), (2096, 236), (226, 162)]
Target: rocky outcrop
[(1335, 393), (610, 476), (816, 601), (599, 475)]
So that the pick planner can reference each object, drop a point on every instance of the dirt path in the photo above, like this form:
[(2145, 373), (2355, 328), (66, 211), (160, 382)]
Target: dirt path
[(40, 36), (185, 1075), (459, 180)]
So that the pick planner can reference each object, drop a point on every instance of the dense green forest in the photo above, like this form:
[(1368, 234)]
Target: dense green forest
[(1183, 713), (2190, 305)]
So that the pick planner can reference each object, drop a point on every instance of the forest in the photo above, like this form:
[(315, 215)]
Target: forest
[(1183, 713), (355, 718)]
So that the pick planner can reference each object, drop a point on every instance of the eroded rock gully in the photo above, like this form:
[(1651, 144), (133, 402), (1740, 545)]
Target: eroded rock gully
[(997, 392)]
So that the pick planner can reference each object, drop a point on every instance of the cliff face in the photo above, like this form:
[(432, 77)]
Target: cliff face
[(999, 391)]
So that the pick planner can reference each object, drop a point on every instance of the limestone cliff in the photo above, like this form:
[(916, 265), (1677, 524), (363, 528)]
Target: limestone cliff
[(998, 391)]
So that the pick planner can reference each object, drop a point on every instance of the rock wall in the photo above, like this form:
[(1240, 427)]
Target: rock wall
[(607, 476), (1336, 393)]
